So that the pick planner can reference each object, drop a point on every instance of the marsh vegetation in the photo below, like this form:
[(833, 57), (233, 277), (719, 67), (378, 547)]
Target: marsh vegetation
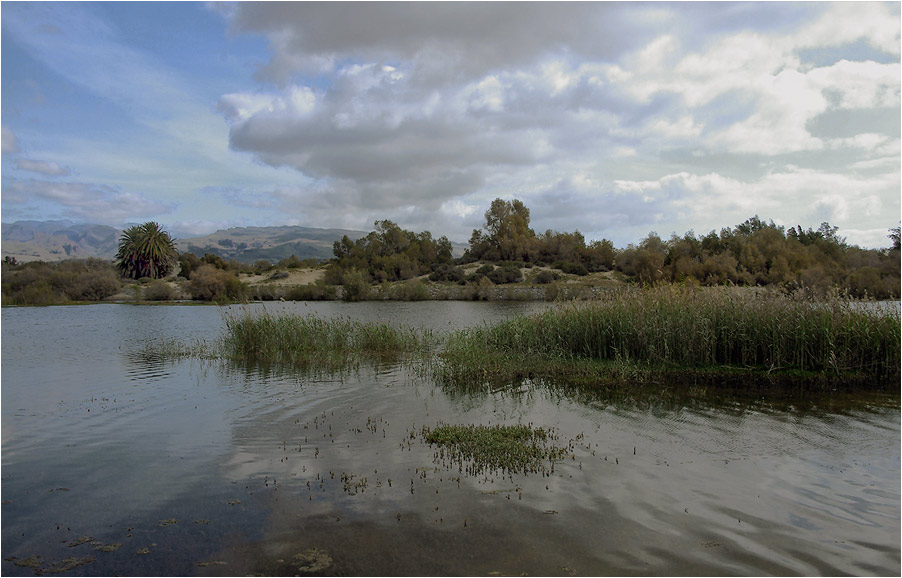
[(694, 335)]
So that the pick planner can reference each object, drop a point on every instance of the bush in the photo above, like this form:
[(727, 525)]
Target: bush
[(413, 290), (159, 290), (545, 277), (292, 262), (507, 273), (267, 292), (318, 291), (262, 266), (572, 268), (188, 263), (356, 287), (211, 284), (447, 272), (41, 283), (478, 290), (279, 275)]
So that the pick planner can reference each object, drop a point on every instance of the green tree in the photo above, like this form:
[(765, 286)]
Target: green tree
[(146, 251), (507, 234), (894, 236)]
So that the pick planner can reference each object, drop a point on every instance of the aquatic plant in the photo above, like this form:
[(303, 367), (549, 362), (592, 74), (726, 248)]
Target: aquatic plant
[(507, 448), (672, 330), (300, 340)]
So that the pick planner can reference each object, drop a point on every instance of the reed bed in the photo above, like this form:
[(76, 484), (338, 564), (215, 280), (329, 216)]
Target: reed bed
[(303, 340), (671, 328)]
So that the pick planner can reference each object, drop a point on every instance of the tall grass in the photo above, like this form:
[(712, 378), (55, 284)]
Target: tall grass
[(672, 327), (302, 340)]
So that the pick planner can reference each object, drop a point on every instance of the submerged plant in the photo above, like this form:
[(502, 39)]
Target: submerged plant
[(508, 448)]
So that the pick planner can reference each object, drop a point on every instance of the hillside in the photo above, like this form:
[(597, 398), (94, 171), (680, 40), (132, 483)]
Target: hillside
[(57, 240), (249, 244)]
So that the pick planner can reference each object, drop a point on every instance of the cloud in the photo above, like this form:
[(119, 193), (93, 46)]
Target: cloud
[(83, 201), (10, 144), (48, 168), (790, 197), (444, 42)]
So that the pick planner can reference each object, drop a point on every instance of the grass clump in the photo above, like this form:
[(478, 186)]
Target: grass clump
[(479, 449), (302, 340), (673, 330)]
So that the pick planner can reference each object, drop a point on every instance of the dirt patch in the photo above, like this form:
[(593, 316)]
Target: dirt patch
[(303, 276)]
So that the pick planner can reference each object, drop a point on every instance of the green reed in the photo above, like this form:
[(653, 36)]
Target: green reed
[(300, 340), (669, 328)]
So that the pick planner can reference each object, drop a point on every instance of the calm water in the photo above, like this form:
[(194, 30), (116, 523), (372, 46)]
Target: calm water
[(200, 468)]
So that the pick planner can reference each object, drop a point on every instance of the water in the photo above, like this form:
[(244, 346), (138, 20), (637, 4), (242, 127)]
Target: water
[(202, 468)]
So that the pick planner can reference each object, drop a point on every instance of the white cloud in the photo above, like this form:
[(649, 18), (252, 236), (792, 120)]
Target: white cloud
[(85, 201), (48, 168), (848, 22), (10, 143)]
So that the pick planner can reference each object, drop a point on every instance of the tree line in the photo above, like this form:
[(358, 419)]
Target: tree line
[(752, 253)]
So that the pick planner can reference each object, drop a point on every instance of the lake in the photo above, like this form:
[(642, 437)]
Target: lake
[(116, 464)]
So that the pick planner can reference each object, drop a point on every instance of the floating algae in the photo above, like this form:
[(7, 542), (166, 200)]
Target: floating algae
[(35, 563), (313, 560), (69, 564), (81, 540), (30, 562), (167, 522), (108, 547)]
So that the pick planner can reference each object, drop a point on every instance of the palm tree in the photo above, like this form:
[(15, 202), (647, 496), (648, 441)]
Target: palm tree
[(146, 251)]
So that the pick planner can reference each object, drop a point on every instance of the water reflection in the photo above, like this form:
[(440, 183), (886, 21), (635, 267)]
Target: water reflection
[(261, 465)]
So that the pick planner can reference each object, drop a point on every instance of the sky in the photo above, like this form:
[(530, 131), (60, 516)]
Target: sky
[(613, 119)]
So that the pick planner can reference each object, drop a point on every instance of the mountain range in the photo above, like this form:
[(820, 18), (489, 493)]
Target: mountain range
[(58, 240)]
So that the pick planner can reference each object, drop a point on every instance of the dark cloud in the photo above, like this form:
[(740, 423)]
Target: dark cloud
[(449, 42)]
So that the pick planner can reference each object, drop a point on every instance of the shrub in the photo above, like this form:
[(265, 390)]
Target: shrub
[(318, 291), (292, 262), (413, 290), (267, 292), (262, 266), (188, 263), (41, 283), (159, 290), (572, 268), (355, 287), (545, 277), (507, 273), (211, 284), (448, 272)]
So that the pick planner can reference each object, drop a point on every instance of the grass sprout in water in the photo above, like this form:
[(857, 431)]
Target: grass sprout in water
[(479, 449)]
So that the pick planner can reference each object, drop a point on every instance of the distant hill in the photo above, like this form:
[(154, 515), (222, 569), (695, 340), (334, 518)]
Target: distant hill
[(57, 240), (249, 244)]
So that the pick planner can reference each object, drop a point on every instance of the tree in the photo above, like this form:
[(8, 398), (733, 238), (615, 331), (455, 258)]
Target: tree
[(507, 234), (146, 251), (893, 236)]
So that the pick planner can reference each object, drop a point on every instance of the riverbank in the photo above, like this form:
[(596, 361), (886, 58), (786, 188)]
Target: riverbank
[(308, 284)]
